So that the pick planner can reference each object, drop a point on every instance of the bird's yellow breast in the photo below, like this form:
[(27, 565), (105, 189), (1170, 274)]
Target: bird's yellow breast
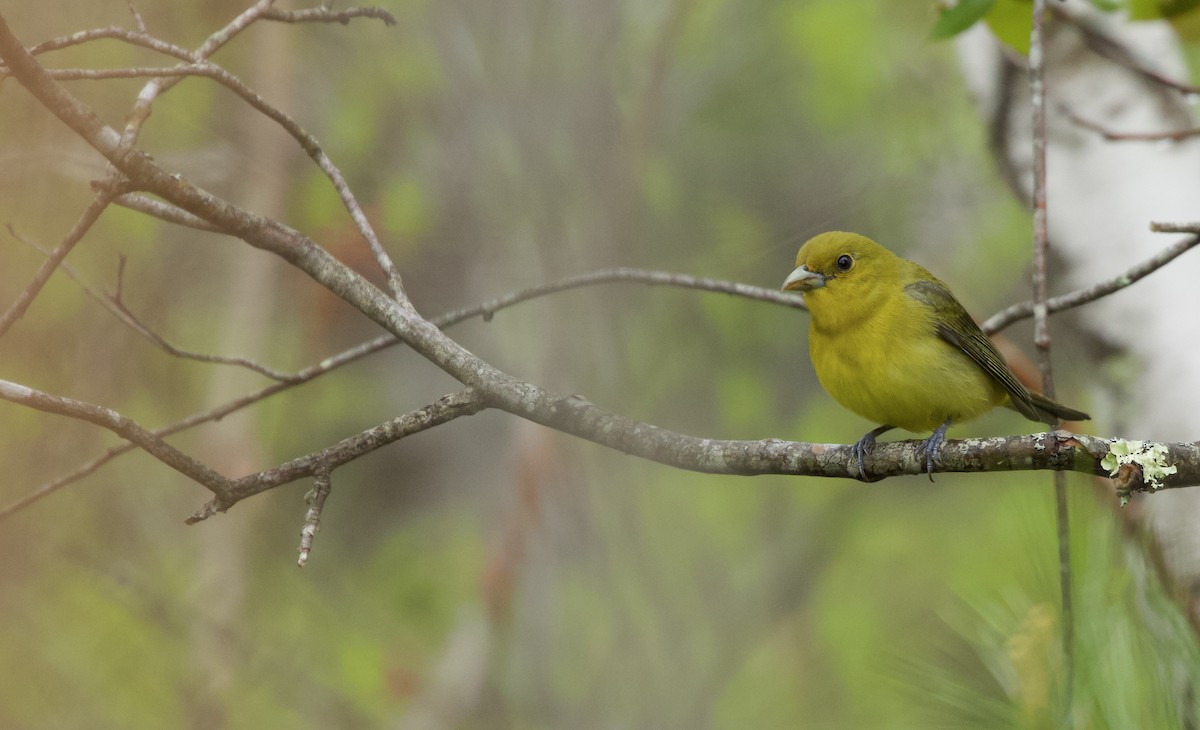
[(885, 362)]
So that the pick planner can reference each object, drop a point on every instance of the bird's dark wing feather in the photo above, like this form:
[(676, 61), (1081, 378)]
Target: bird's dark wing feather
[(956, 327)]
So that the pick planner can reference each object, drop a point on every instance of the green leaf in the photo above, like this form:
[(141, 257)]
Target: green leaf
[(1012, 22), (964, 14)]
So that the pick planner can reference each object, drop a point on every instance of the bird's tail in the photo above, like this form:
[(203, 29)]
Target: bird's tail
[(1048, 409)]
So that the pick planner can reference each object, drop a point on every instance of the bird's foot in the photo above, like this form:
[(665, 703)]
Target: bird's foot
[(862, 446), (932, 446)]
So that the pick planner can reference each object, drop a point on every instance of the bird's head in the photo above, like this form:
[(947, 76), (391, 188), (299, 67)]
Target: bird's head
[(842, 271)]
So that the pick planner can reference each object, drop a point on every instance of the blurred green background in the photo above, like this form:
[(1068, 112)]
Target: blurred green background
[(492, 574)]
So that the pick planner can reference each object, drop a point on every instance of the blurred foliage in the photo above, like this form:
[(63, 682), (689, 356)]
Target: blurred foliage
[(499, 146), (1011, 20)]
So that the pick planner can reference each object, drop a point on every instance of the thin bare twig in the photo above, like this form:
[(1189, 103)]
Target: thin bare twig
[(136, 38), (215, 413), (114, 305), (1070, 300), (307, 142), (80, 472), (124, 427), (1041, 328), (164, 211), (108, 190), (1177, 135), (137, 16), (1158, 227), (456, 405), (620, 274), (262, 9), (326, 14), (157, 86), (322, 484), (1106, 47)]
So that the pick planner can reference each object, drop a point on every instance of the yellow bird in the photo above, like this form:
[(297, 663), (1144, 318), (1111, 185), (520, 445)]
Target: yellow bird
[(891, 343)]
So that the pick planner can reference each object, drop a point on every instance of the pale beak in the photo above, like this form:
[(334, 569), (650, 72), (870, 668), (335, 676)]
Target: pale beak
[(803, 280)]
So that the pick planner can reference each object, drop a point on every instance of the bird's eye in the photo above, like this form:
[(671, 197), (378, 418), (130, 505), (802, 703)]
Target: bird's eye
[(844, 262)]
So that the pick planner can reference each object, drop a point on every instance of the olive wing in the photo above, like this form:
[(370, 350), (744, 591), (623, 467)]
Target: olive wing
[(955, 326)]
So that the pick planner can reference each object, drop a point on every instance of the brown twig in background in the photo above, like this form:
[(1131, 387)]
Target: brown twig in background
[(1102, 45), (1041, 330), (1172, 136), (115, 306), (1070, 300), (108, 190)]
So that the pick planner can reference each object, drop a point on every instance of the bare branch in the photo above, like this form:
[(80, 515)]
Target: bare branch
[(1057, 451), (108, 190), (1041, 231), (162, 82), (1106, 47), (622, 274), (326, 14), (53, 486), (464, 403), (136, 38), (115, 306), (244, 20), (137, 16), (215, 413), (1024, 310), (485, 310), (307, 142), (569, 414), (1176, 228), (1041, 327), (124, 427), (164, 211), (160, 85)]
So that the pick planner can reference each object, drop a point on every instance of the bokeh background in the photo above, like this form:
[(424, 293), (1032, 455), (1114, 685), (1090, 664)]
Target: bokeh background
[(491, 573)]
